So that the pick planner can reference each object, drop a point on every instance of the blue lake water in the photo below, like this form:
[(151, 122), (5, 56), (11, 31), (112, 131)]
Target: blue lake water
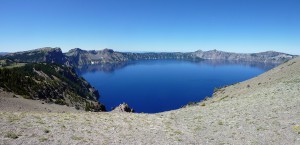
[(162, 85)]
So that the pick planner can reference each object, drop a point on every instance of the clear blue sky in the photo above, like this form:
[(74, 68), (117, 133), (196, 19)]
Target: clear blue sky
[(151, 25)]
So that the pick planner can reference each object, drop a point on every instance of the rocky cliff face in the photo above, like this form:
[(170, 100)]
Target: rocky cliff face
[(266, 57), (108, 56), (47, 54), (78, 57), (162, 55), (82, 57)]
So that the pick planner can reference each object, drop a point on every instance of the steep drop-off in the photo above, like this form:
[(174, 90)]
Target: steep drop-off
[(52, 83)]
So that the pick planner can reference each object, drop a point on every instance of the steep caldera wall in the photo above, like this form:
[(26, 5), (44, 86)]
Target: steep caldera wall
[(78, 57)]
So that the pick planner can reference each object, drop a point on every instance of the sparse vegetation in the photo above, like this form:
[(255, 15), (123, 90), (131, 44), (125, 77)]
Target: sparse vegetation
[(40, 121), (27, 97), (216, 89), (11, 135), (292, 63), (177, 132), (220, 123), (60, 102), (13, 118), (49, 82), (77, 107), (43, 139), (224, 97), (296, 129), (76, 137), (63, 126), (89, 106), (46, 130)]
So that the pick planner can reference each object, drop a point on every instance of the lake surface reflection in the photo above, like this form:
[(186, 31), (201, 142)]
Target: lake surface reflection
[(161, 85)]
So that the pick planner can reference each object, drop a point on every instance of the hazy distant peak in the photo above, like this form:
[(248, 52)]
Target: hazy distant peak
[(43, 49), (76, 50), (3, 53), (270, 52), (213, 50), (91, 51), (48, 49), (108, 50)]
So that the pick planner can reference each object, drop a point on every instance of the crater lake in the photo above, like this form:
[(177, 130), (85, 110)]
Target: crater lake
[(153, 86)]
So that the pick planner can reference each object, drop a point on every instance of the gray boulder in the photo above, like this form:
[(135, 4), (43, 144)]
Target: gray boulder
[(123, 108)]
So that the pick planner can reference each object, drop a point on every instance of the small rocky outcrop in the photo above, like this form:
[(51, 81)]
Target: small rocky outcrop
[(123, 108), (190, 104)]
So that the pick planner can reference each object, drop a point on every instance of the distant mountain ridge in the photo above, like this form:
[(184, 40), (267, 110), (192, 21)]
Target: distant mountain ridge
[(3, 53), (83, 57), (78, 57), (47, 54), (267, 57)]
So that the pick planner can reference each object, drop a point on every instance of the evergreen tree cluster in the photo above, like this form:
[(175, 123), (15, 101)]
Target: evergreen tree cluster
[(52, 82)]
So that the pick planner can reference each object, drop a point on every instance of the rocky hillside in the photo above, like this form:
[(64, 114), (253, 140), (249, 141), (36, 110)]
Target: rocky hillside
[(52, 83), (78, 57), (162, 55), (263, 110), (83, 57), (266, 57), (47, 54)]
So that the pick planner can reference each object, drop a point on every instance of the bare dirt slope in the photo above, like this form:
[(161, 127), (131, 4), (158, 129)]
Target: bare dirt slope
[(10, 102), (263, 110)]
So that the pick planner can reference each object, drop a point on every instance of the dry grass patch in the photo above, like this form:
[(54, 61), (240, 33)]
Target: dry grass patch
[(11, 135), (43, 139), (76, 137)]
